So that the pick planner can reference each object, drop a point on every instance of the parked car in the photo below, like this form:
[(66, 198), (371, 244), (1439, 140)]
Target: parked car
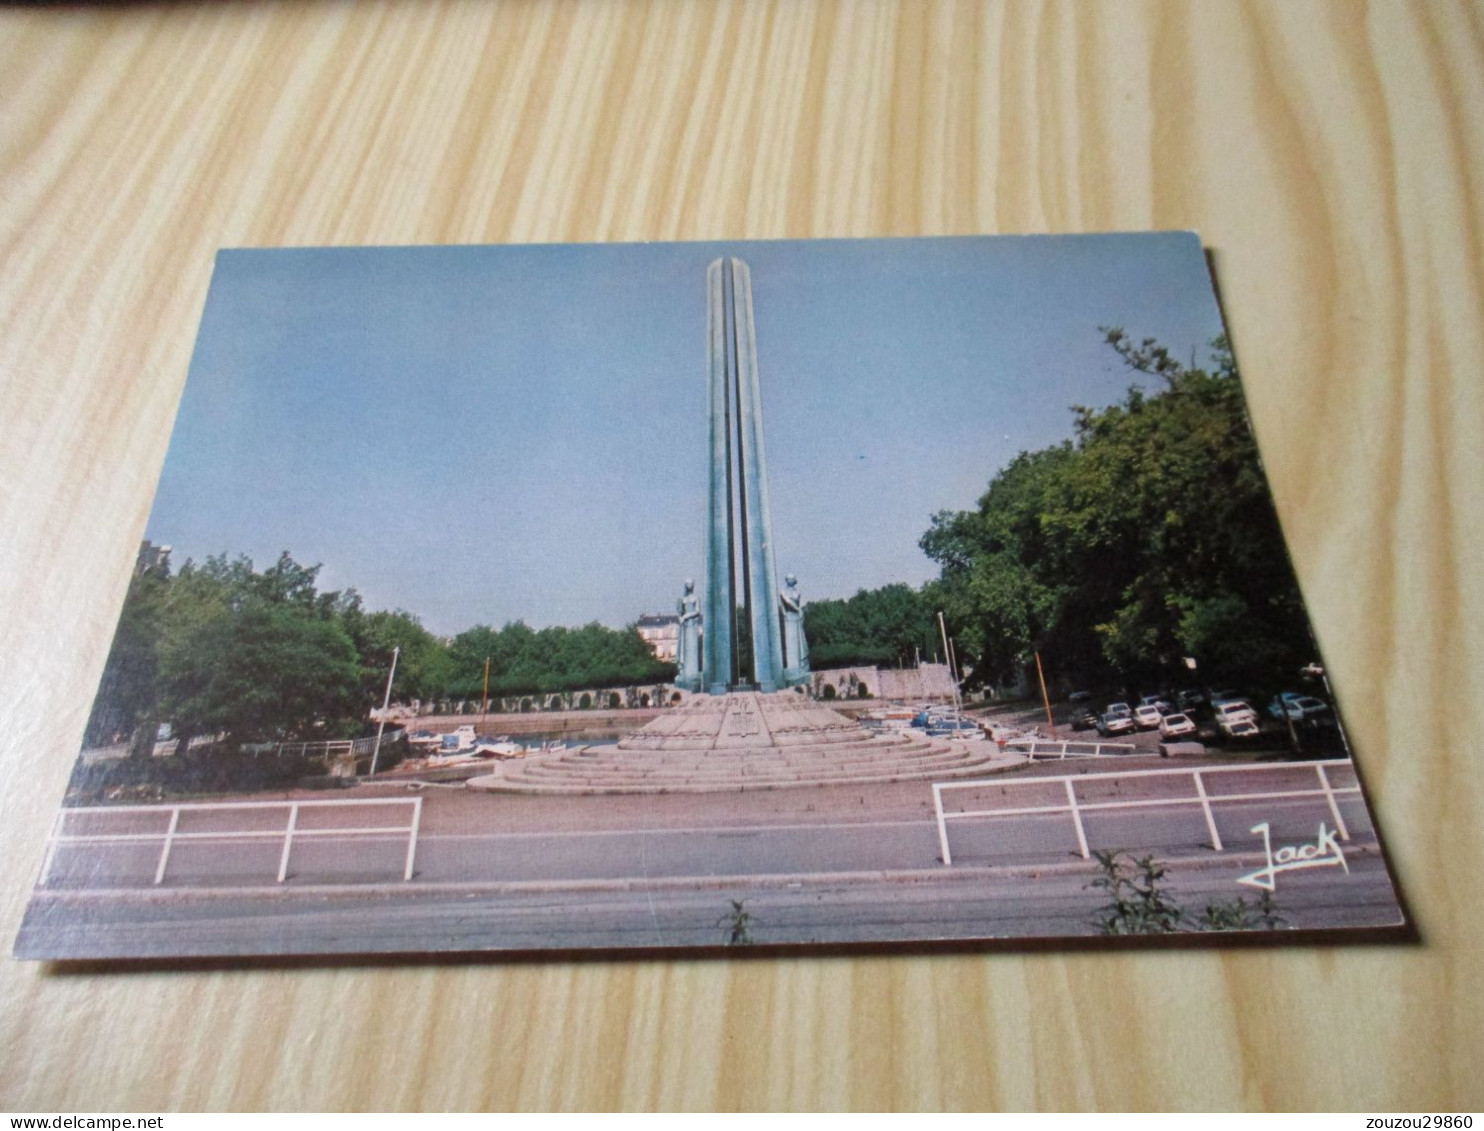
[(1174, 725), (1189, 700), (1113, 722), (1242, 728), (1229, 695), (1084, 718), (1147, 716), (1299, 708), (1159, 702), (1080, 697), (1232, 712)]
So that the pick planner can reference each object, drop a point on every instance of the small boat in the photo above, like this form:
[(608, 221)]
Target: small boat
[(954, 728), (496, 746)]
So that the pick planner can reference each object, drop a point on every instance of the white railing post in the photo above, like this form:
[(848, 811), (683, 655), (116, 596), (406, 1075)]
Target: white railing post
[(288, 842), (169, 839), (1077, 818), (1201, 797), (1200, 788), (417, 820), (942, 823), (1334, 806)]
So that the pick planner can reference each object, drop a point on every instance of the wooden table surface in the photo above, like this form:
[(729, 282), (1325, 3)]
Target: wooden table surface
[(1332, 156)]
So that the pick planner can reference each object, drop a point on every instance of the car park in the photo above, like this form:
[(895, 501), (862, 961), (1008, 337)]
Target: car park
[(1233, 712), (1117, 719), (1175, 725), (1147, 716), (1299, 708)]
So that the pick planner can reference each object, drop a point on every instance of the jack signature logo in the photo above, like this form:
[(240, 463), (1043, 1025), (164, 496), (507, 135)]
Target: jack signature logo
[(1323, 853)]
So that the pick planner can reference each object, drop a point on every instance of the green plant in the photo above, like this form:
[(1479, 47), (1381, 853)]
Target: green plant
[(1239, 915), (1138, 903), (737, 923)]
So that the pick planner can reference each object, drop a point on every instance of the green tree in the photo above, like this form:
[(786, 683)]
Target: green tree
[(257, 655), (423, 662), (127, 703), (525, 661), (886, 627), (262, 670), (1148, 537)]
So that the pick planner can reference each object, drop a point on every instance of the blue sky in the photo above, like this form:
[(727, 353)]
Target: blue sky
[(486, 434)]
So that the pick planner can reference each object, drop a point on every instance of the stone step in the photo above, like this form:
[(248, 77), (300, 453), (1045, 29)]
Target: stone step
[(578, 786), (926, 756), (919, 767)]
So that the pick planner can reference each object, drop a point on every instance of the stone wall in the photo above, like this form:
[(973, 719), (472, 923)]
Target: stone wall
[(930, 681)]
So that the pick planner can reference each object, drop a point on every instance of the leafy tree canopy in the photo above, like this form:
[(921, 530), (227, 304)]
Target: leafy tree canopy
[(1147, 537)]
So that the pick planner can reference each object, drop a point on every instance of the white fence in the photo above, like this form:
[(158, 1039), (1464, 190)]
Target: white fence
[(1045, 748), (172, 833), (334, 748), (1075, 807)]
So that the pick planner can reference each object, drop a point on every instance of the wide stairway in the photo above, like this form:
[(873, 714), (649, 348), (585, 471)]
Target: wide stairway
[(746, 741)]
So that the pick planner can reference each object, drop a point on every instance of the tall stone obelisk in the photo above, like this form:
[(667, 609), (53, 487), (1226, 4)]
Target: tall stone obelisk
[(719, 663), (739, 514)]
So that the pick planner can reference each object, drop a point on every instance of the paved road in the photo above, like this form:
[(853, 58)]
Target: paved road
[(945, 905), (466, 839), (501, 873)]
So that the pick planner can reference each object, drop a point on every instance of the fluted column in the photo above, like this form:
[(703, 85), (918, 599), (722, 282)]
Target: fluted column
[(720, 600), (767, 638)]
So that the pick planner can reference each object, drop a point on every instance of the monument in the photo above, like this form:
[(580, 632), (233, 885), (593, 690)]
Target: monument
[(740, 531), (742, 733)]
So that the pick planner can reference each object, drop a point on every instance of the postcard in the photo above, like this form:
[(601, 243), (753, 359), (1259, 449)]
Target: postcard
[(702, 597)]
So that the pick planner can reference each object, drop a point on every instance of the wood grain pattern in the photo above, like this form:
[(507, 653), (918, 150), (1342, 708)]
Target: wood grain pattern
[(1332, 155)]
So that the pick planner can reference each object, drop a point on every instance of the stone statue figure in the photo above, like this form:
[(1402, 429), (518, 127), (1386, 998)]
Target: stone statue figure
[(795, 646), (688, 651)]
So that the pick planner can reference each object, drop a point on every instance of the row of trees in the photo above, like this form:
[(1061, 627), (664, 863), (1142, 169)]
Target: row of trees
[(892, 626), (221, 648), (1147, 538)]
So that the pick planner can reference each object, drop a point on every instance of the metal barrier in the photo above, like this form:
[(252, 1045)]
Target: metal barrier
[(1200, 796), (328, 749), (1045, 748), (288, 834)]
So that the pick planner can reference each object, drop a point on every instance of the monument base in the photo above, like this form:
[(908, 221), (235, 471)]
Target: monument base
[(748, 740)]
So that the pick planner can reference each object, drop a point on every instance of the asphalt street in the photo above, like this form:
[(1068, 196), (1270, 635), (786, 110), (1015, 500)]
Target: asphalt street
[(491, 873), (949, 904)]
